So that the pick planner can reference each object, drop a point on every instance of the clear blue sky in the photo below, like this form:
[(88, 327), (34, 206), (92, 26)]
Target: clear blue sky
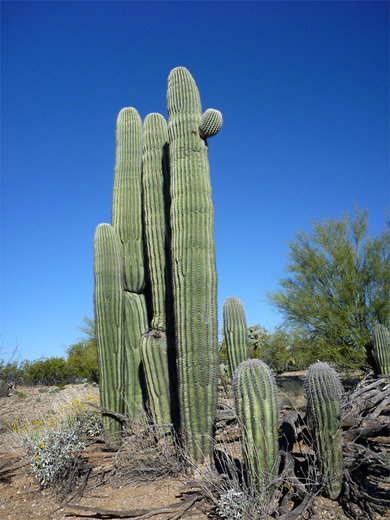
[(304, 92)]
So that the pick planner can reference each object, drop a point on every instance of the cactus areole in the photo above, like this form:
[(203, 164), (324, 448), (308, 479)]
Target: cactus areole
[(193, 266)]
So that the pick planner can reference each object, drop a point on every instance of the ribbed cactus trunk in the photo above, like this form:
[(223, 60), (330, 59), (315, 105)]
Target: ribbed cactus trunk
[(235, 332), (323, 391), (193, 267), (127, 197), (154, 352), (382, 348), (127, 222), (255, 401), (109, 312), (157, 347), (155, 182)]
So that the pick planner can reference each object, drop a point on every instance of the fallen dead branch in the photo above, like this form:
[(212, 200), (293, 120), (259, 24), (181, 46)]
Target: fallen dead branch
[(178, 508)]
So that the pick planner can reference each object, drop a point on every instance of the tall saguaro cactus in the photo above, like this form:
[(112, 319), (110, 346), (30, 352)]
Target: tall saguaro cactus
[(193, 266), (126, 381), (323, 391), (155, 178), (235, 332), (109, 305), (156, 345), (255, 400)]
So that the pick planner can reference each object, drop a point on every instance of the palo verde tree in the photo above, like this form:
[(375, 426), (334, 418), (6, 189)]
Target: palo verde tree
[(337, 287)]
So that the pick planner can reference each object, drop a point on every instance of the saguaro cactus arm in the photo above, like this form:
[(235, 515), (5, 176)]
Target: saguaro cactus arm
[(127, 197), (210, 123), (155, 173), (235, 332), (109, 305)]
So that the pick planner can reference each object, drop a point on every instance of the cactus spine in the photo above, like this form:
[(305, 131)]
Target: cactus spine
[(235, 332), (109, 305), (255, 400), (382, 348), (323, 391), (193, 266)]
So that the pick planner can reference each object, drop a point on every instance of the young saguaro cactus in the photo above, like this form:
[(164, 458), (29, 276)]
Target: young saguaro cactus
[(235, 332), (109, 305), (382, 348), (193, 267), (323, 392), (255, 401)]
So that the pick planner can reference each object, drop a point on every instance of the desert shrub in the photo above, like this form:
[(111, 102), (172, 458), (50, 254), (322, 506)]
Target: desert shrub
[(54, 444), (53, 454), (46, 371)]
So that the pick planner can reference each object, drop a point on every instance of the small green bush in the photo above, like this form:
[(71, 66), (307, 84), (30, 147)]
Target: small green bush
[(53, 454)]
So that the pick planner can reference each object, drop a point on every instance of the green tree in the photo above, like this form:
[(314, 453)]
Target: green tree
[(282, 349), (337, 288), (82, 356)]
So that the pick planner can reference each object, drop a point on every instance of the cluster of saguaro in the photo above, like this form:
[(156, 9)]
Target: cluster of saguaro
[(156, 302), (382, 348), (155, 273), (255, 400), (235, 332), (323, 391)]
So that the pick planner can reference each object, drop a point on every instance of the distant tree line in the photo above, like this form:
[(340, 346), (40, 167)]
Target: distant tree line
[(79, 365)]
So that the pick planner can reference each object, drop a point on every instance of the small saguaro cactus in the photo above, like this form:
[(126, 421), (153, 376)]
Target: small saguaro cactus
[(193, 267), (382, 348), (109, 307), (323, 392), (235, 332), (255, 401)]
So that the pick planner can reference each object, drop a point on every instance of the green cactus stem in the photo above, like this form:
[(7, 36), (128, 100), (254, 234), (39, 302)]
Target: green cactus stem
[(210, 123), (135, 324), (155, 173), (255, 400), (235, 332), (109, 305), (193, 267), (154, 353), (382, 348), (323, 392), (127, 197)]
